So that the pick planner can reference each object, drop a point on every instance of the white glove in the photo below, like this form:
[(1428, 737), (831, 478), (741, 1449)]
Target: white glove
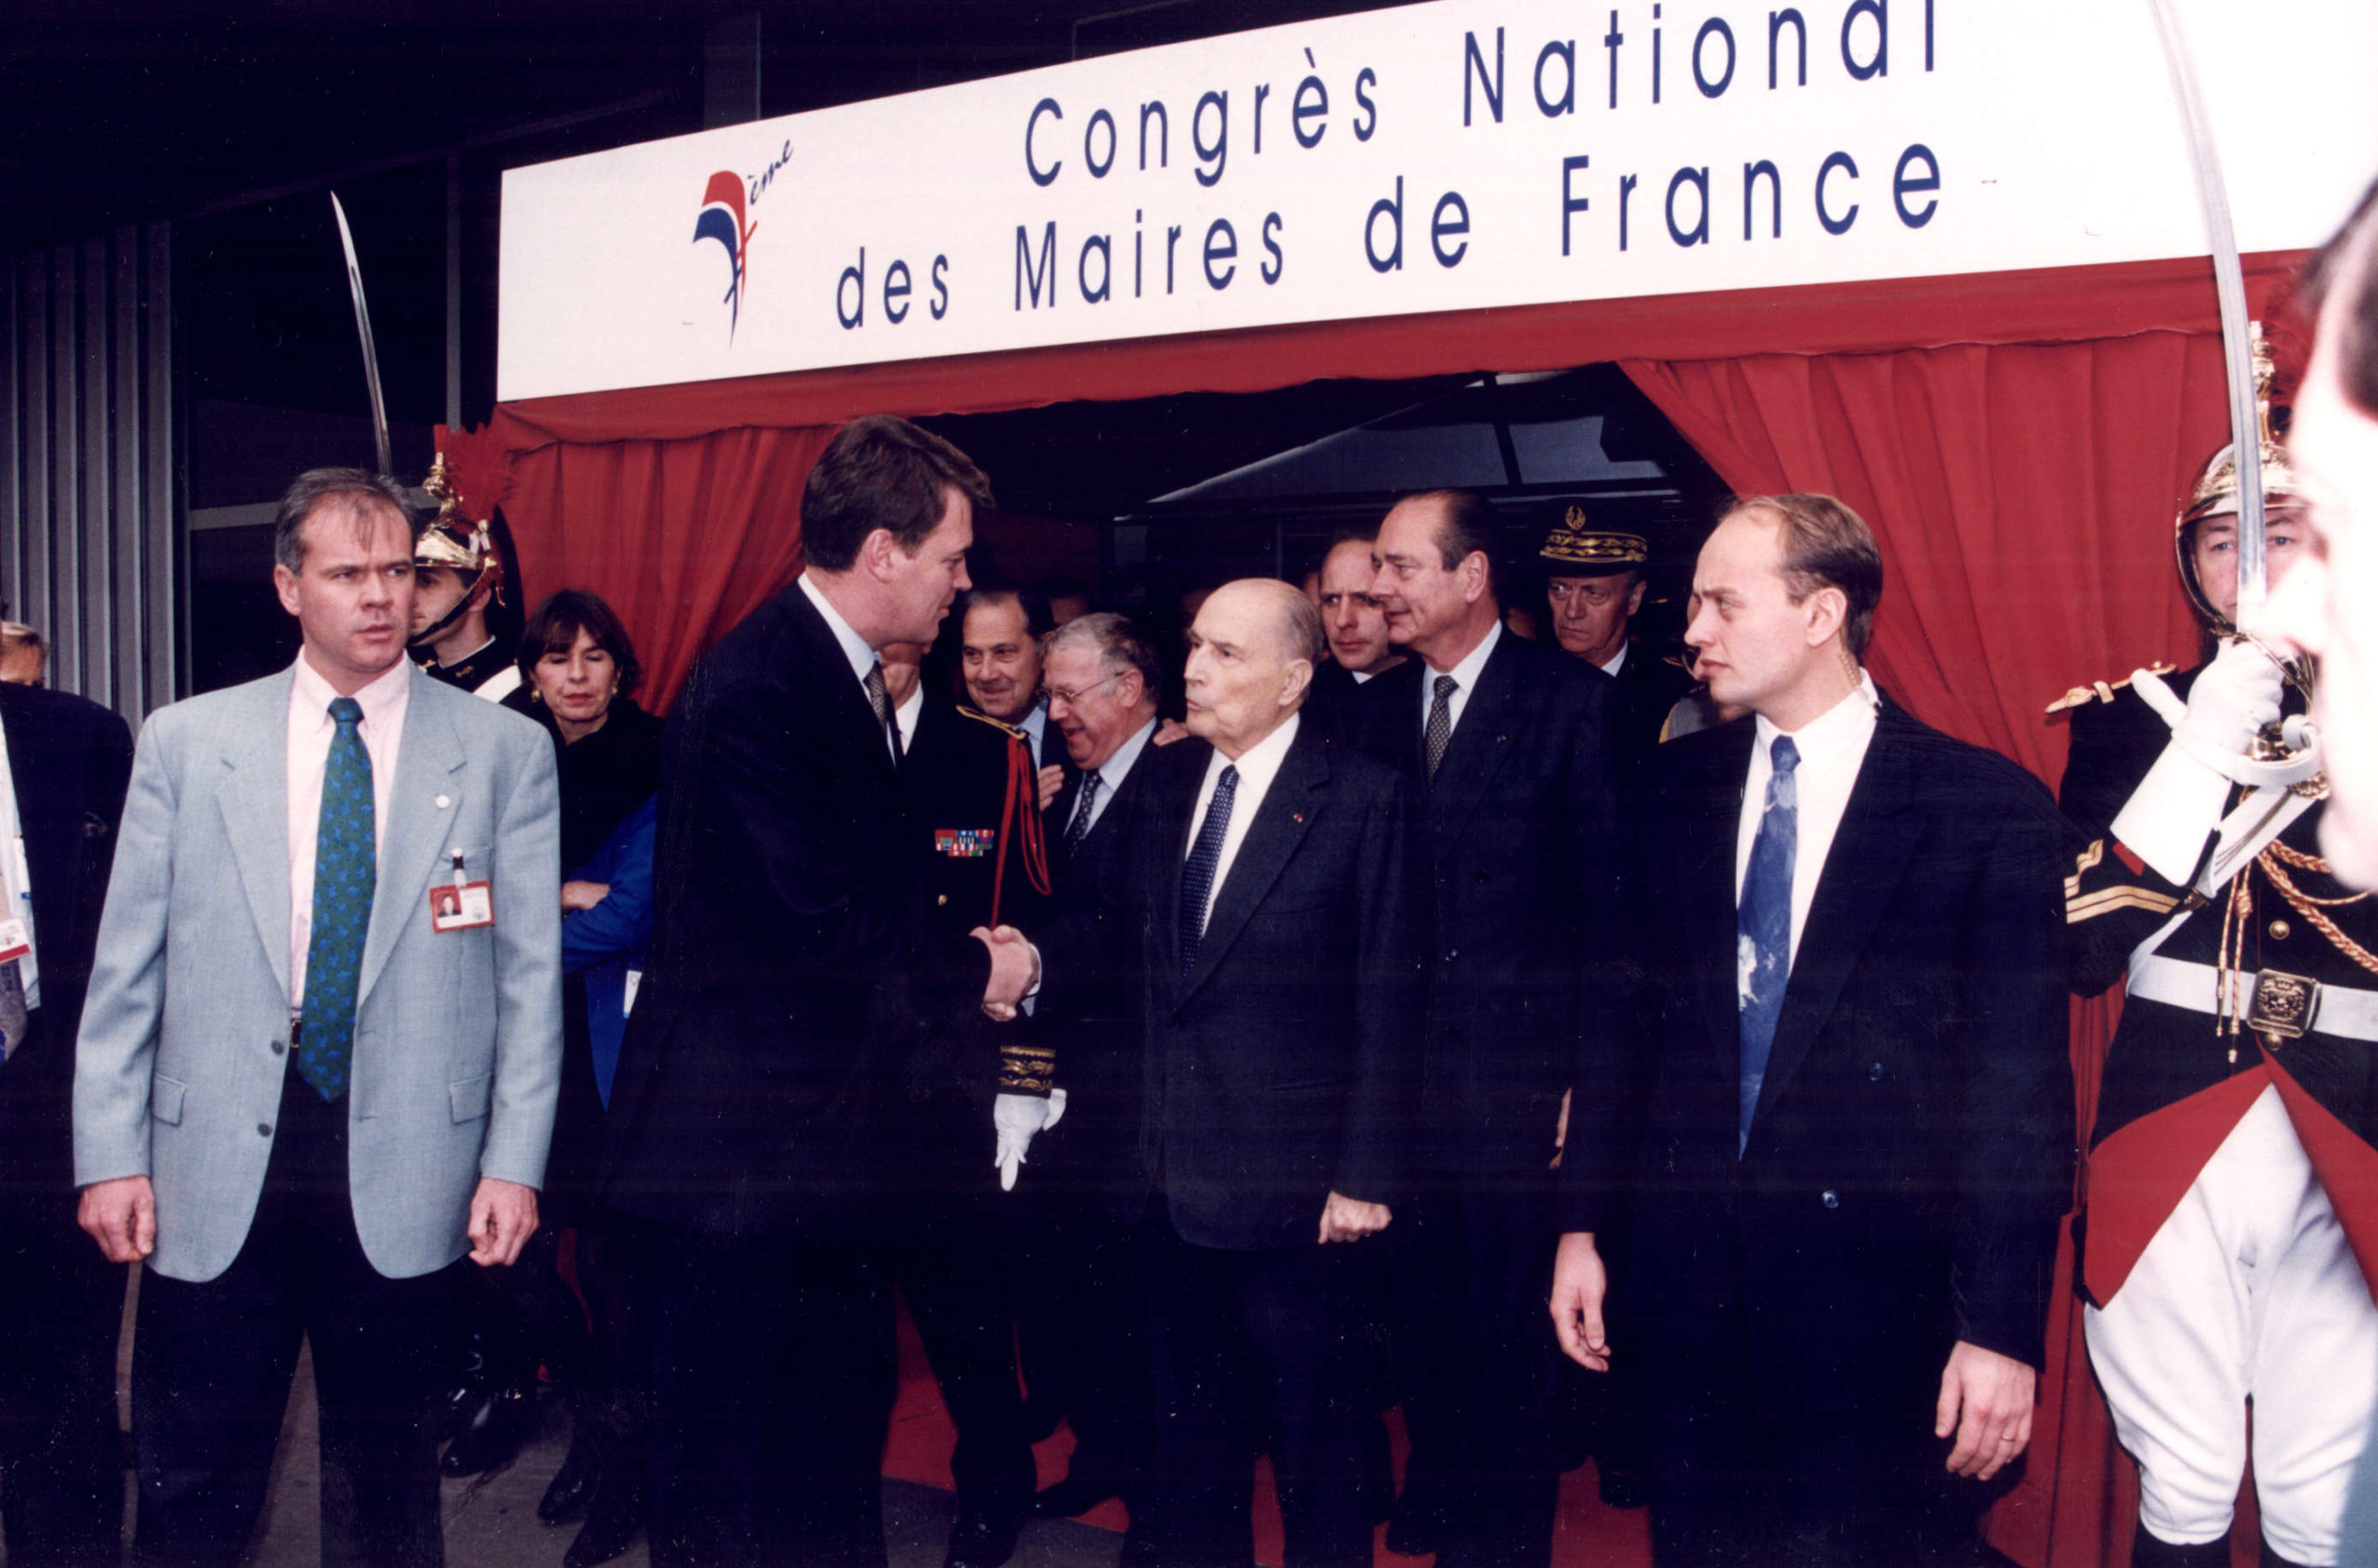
[(1016, 1117), (2233, 697), (2166, 820)]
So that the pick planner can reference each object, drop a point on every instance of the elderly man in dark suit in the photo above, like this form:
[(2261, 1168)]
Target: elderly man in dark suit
[(793, 969), (1844, 1123), (1263, 908), (1509, 747), (62, 1487), (1082, 1319)]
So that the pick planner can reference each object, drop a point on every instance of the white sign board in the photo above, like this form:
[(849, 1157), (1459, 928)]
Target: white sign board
[(1453, 155)]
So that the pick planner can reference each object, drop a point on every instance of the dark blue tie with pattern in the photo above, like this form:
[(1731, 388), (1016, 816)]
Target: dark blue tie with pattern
[(1197, 872), (1763, 927), (343, 877)]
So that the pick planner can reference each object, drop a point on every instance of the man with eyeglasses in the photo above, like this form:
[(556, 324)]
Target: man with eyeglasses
[(1081, 1316)]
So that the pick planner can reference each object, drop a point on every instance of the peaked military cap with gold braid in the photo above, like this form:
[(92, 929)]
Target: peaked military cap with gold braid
[(1575, 548)]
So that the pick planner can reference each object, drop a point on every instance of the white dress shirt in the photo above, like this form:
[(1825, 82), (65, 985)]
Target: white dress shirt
[(1113, 771), (12, 838), (1035, 725), (311, 729), (1617, 661), (905, 714), (1465, 676), (1832, 748), (1257, 768), (855, 647)]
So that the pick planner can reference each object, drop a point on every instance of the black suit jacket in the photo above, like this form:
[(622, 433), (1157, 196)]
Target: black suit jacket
[(1648, 688), (1522, 847), (71, 762), (1095, 1027), (1281, 1067), (793, 969), (1912, 1151)]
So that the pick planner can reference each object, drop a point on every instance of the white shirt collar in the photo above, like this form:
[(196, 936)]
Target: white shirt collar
[(1471, 663), (1035, 723), (1465, 676), (383, 697), (1839, 729), (1260, 762), (1116, 768), (907, 715), (1617, 661), (855, 647)]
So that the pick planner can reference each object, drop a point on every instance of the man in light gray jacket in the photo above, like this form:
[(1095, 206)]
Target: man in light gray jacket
[(319, 1059)]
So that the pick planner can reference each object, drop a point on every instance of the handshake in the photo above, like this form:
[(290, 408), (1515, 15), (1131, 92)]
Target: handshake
[(1016, 969)]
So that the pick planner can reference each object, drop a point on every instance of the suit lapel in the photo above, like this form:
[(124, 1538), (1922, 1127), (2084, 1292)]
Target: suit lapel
[(1870, 850), (845, 698), (1480, 741), (255, 801), (1177, 803), (1711, 828), (415, 839), (1280, 824)]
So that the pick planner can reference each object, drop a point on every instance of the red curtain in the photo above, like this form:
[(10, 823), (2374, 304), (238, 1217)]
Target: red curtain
[(682, 538), (2024, 497)]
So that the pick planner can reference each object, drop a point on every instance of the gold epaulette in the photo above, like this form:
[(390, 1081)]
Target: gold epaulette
[(1014, 732), (2100, 691)]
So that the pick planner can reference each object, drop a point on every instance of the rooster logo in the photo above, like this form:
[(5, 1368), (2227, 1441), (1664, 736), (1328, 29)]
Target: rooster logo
[(722, 219)]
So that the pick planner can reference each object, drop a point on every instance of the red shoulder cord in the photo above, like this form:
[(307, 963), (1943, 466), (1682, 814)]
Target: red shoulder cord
[(1024, 783)]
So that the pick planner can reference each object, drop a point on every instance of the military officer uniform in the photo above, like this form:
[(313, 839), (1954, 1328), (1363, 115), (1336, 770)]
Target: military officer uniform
[(1649, 685), (974, 795), (2232, 1214)]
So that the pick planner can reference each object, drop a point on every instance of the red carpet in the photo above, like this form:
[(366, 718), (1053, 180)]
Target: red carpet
[(1587, 1535)]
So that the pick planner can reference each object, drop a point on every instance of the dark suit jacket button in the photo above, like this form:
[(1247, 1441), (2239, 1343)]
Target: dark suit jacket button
[(279, 1046), (264, 1130), (1876, 1072), (1831, 1198)]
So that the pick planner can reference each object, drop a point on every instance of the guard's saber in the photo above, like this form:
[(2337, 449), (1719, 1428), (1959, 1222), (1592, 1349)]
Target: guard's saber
[(364, 331), (2229, 288)]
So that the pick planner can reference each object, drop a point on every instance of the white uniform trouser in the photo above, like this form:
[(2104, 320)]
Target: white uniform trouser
[(2248, 1291)]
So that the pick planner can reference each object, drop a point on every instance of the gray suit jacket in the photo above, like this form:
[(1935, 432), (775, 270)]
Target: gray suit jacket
[(458, 1036)]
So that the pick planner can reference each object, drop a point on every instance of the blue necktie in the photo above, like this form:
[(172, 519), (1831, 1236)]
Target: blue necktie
[(343, 875), (1197, 872), (1763, 927)]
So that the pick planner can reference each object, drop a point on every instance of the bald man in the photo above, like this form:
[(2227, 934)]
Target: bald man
[(1263, 908)]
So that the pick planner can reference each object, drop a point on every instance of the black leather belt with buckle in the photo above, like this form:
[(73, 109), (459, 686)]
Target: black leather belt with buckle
[(2283, 1004)]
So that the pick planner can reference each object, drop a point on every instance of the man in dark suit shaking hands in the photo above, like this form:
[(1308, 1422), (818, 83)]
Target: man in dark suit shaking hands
[(792, 968), (1263, 907), (1842, 1125)]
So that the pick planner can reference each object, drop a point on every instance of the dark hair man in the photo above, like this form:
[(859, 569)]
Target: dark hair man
[(1508, 747), (316, 1073), (792, 965), (1841, 1108), (999, 633)]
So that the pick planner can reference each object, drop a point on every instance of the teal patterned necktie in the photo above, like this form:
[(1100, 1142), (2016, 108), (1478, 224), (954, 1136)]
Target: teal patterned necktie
[(343, 881)]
